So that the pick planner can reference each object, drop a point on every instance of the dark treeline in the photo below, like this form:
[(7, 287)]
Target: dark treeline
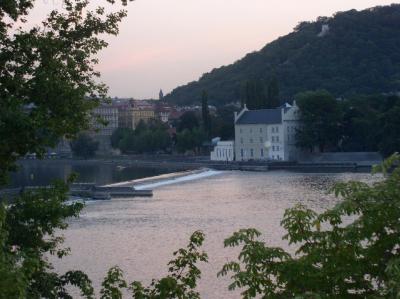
[(359, 123)]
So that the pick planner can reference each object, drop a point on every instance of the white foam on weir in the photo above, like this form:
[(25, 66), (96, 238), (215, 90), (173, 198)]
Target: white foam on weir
[(190, 177)]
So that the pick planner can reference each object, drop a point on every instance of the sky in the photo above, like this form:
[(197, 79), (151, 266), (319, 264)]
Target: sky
[(163, 44)]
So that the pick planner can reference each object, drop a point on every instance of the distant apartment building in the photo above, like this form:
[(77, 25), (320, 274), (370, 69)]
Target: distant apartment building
[(126, 117), (143, 114), (267, 134), (142, 111), (109, 114), (102, 132)]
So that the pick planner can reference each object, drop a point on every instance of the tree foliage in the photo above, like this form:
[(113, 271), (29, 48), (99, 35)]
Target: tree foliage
[(320, 116), (188, 121), (48, 86), (349, 251), (358, 55), (48, 82), (180, 283), (28, 232), (151, 137), (205, 113), (190, 140), (360, 123), (84, 146)]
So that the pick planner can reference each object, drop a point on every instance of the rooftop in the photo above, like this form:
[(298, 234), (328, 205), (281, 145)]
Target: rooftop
[(262, 116)]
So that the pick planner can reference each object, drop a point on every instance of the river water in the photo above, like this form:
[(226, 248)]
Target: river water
[(140, 234)]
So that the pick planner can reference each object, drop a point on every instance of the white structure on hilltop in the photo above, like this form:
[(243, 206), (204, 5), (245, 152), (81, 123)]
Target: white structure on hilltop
[(223, 151), (267, 134)]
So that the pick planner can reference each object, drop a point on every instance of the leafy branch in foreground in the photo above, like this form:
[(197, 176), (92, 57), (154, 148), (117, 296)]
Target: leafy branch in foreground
[(28, 233), (180, 283), (354, 258)]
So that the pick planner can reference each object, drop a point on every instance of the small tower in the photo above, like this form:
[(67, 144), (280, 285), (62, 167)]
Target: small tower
[(161, 95)]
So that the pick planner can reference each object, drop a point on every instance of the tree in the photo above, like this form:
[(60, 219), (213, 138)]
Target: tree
[(371, 123), (321, 117), (47, 76), (161, 95), (188, 121), (48, 86), (205, 113), (147, 137), (118, 135), (190, 140), (180, 283), (84, 146), (335, 258), (273, 93)]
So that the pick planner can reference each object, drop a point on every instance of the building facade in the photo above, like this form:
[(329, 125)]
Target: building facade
[(109, 114), (142, 114), (126, 117), (267, 134), (102, 132), (223, 151)]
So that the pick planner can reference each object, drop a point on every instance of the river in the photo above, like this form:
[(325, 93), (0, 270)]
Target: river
[(140, 234)]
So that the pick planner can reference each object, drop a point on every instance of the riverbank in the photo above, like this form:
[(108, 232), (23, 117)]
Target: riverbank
[(182, 163), (153, 165)]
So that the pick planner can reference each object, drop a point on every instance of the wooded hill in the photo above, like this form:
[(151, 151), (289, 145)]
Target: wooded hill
[(352, 52)]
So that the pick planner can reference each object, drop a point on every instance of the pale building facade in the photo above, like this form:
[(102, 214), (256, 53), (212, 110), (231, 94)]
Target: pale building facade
[(267, 134), (109, 114), (126, 117), (223, 151)]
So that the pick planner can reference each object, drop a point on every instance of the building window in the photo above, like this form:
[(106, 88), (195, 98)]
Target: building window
[(277, 129), (241, 152), (262, 152), (261, 139), (277, 138), (260, 130), (251, 152)]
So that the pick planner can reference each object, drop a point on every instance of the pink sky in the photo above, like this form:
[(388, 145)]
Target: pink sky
[(167, 43)]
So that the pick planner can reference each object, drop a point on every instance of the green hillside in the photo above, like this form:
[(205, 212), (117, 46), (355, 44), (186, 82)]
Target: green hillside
[(360, 53)]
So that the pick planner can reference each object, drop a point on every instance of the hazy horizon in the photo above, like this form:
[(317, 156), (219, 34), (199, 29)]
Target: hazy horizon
[(167, 43)]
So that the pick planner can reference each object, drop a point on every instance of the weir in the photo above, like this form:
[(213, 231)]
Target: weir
[(167, 179)]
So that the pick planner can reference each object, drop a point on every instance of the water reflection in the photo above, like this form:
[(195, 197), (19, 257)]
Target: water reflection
[(40, 173), (141, 234)]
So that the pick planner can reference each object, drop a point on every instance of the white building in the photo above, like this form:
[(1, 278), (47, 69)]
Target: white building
[(267, 134), (109, 114), (223, 151)]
